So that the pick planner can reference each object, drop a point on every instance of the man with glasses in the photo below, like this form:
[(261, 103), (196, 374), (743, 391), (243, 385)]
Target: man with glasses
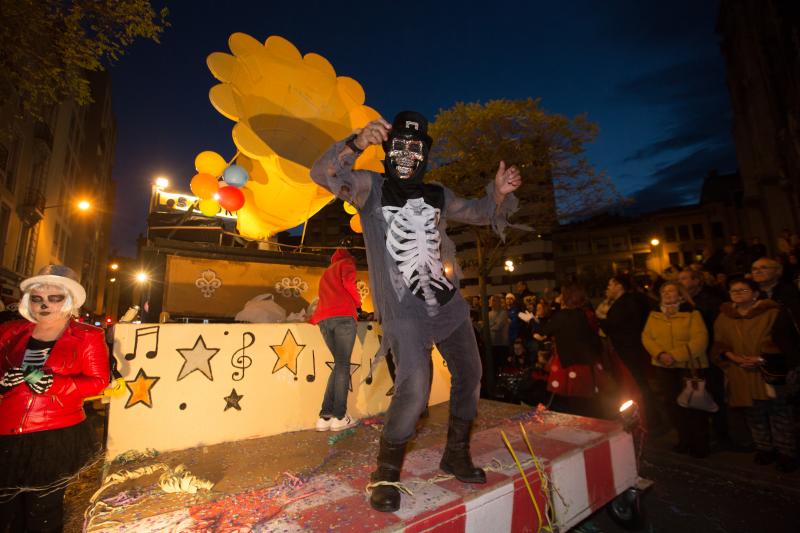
[(767, 273)]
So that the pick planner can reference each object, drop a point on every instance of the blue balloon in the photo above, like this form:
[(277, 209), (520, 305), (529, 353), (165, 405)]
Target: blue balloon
[(235, 175)]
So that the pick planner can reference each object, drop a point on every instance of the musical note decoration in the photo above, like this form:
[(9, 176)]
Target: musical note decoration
[(287, 353), (232, 400), (146, 335), (353, 368), (198, 357), (140, 388), (243, 361), (368, 380), (311, 377)]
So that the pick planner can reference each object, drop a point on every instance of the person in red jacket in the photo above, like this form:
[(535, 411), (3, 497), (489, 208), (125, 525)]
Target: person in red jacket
[(48, 364), (336, 315)]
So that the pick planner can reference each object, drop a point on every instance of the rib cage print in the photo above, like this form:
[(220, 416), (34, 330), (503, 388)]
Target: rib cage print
[(413, 241)]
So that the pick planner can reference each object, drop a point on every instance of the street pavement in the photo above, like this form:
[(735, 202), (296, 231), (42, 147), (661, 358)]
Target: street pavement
[(724, 492)]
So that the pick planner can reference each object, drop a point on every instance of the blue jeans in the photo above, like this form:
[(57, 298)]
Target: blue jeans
[(339, 333)]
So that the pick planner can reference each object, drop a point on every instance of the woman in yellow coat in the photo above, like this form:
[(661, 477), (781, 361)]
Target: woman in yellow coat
[(676, 339), (752, 339)]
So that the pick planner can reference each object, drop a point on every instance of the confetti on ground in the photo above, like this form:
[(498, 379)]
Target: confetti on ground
[(372, 421), (333, 439), (528, 415), (134, 455)]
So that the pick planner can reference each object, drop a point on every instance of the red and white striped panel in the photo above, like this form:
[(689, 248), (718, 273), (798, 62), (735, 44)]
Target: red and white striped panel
[(589, 462)]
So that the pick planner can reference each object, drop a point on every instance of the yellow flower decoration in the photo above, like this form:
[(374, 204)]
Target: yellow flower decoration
[(288, 110)]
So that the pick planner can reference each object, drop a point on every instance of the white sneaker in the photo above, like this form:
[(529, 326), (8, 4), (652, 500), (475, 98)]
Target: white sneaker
[(324, 425), (338, 424)]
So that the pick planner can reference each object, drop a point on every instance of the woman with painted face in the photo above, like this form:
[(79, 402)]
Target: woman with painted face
[(48, 364)]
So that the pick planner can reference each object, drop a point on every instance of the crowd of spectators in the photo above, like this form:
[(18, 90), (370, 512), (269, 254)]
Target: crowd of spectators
[(732, 319)]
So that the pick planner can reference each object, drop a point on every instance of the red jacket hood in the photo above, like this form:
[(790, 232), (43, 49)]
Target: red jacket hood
[(339, 254)]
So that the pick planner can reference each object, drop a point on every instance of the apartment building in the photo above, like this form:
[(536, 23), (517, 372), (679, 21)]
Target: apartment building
[(46, 168)]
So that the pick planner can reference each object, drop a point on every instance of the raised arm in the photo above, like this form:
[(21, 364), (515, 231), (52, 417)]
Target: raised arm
[(493, 208), (334, 169)]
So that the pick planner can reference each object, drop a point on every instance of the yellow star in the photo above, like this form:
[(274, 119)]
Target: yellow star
[(287, 353), (140, 389)]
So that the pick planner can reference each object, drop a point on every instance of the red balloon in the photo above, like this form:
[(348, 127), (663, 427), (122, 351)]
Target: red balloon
[(231, 198)]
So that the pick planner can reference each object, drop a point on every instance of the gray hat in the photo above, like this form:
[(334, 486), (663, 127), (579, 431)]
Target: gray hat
[(58, 275)]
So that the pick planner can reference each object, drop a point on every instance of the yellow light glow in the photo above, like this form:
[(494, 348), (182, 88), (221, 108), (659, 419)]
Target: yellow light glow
[(142, 277), (509, 262), (114, 266), (655, 242), (84, 205), (162, 182), (112, 280), (625, 405)]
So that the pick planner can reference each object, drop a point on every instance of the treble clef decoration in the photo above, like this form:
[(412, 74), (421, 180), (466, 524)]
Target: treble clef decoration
[(242, 361)]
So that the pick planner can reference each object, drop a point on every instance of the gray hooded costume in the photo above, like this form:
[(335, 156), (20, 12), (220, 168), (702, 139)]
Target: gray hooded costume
[(412, 324)]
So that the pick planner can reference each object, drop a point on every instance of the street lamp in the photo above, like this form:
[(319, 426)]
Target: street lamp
[(81, 205), (655, 242), (142, 277), (159, 183)]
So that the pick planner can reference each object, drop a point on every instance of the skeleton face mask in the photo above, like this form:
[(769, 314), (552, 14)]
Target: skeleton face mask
[(406, 158)]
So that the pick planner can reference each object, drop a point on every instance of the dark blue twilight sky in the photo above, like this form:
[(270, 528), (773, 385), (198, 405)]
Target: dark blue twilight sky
[(649, 72)]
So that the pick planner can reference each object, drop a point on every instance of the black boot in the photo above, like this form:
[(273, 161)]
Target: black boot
[(386, 498), (456, 459)]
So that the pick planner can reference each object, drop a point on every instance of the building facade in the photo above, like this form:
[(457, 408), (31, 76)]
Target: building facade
[(760, 45), (45, 169), (594, 250)]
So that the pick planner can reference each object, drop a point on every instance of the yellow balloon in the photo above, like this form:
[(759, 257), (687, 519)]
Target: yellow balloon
[(355, 224), (209, 162), (208, 207), (349, 209), (281, 127)]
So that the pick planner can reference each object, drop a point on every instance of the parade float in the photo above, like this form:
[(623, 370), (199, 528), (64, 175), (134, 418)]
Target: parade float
[(210, 428)]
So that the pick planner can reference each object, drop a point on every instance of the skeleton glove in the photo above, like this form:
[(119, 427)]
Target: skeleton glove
[(12, 378), (39, 380)]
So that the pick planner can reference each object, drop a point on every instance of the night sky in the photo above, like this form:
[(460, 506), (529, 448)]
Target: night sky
[(649, 73)]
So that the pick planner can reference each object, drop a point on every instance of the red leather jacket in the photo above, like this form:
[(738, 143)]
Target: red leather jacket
[(79, 363)]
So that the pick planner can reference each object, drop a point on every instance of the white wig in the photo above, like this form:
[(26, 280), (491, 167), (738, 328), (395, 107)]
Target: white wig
[(68, 308)]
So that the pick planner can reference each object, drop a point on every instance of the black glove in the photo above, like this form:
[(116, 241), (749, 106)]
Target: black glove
[(12, 378), (39, 380)]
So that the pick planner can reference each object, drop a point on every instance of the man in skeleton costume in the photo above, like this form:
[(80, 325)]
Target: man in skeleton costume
[(415, 279)]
